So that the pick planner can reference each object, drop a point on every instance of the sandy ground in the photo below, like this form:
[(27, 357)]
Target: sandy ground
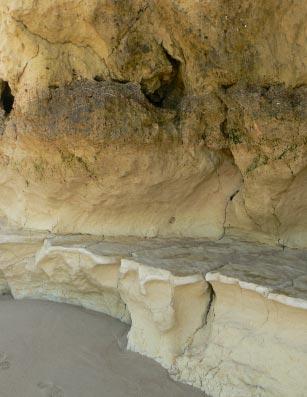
[(57, 350)]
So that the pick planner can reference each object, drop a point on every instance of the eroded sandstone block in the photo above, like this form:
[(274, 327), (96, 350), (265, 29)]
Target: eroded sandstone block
[(251, 346), (166, 310), (171, 119), (64, 271), (228, 317)]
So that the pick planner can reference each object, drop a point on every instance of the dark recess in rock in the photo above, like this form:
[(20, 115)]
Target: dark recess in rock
[(7, 99), (223, 128), (170, 92), (98, 78)]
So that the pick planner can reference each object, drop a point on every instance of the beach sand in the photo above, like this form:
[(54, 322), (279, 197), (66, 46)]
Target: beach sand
[(57, 350)]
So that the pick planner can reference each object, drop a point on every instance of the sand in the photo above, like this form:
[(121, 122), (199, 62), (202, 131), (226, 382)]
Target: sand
[(57, 350)]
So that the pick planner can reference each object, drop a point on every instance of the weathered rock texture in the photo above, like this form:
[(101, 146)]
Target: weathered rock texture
[(155, 118), (228, 317), (170, 119)]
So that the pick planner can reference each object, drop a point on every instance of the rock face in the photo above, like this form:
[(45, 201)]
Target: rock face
[(160, 124), (170, 118), (105, 161), (166, 309), (228, 317)]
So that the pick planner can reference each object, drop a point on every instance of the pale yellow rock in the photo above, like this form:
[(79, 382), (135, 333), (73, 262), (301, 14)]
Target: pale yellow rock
[(229, 97), (75, 275), (228, 317), (293, 229), (223, 111), (17, 249), (250, 347), (63, 273), (134, 177), (173, 119), (166, 310)]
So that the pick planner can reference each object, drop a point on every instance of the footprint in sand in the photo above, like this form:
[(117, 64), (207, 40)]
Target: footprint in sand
[(51, 390), (4, 362)]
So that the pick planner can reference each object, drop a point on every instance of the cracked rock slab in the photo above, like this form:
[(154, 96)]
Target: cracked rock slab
[(166, 309), (215, 314), (251, 346)]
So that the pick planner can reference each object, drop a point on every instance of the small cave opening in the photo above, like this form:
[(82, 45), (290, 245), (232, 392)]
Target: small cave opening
[(170, 92), (98, 78), (7, 98)]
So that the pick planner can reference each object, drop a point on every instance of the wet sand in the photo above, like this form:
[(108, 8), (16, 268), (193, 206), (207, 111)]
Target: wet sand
[(57, 350)]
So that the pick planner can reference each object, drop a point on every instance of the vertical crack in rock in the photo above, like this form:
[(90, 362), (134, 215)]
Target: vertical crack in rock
[(233, 195), (202, 334), (205, 319), (209, 307)]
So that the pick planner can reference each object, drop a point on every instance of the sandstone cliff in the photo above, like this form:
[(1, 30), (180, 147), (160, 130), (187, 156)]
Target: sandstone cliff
[(155, 117), (142, 143)]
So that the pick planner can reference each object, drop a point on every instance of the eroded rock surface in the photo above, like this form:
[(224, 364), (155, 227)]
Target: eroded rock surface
[(166, 309), (228, 317), (170, 118), (251, 346), (174, 119), (114, 165)]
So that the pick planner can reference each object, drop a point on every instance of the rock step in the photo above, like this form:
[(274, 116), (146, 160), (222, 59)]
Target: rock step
[(220, 315)]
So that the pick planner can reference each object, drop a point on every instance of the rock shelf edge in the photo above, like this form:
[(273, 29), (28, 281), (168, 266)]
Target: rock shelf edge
[(207, 322)]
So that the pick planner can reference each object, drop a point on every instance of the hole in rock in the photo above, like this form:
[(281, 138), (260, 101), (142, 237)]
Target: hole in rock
[(225, 87), (7, 99), (223, 128), (98, 78), (172, 220), (170, 92), (120, 81)]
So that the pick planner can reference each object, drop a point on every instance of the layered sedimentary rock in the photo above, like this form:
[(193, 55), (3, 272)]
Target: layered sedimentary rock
[(168, 118), (166, 309), (251, 346), (168, 121), (99, 158), (228, 317)]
